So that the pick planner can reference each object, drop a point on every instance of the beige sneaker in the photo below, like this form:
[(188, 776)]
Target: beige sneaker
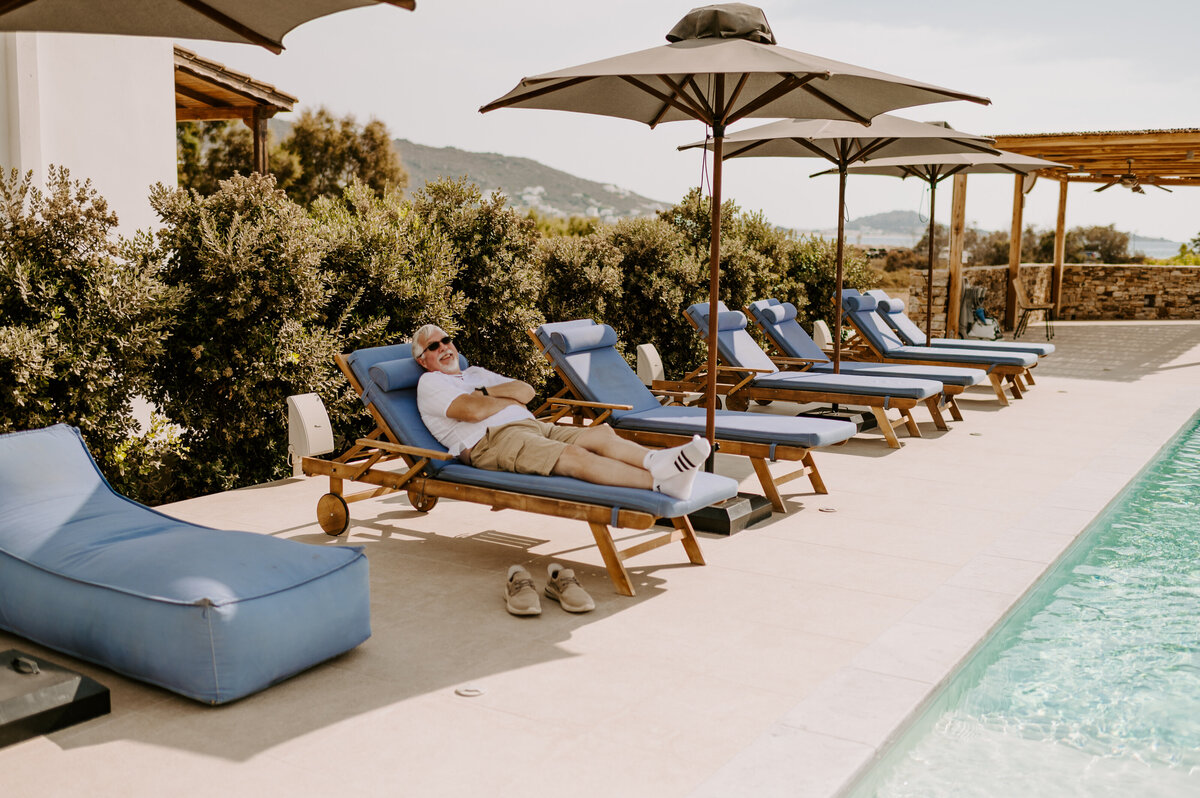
[(520, 596), (564, 588)]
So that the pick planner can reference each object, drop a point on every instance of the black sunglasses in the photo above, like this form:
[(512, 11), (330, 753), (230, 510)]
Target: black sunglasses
[(434, 346)]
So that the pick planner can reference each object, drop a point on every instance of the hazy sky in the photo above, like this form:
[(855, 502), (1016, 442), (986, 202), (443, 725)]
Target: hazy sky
[(1048, 66)]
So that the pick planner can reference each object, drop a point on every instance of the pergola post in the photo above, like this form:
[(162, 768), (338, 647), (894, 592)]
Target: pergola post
[(258, 129), (1060, 248), (958, 215), (1014, 253)]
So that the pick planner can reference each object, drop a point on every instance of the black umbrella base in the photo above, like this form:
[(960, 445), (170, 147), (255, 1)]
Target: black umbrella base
[(38, 697), (862, 419), (730, 516)]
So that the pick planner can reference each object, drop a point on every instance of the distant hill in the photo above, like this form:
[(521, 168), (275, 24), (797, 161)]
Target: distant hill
[(890, 222), (526, 183)]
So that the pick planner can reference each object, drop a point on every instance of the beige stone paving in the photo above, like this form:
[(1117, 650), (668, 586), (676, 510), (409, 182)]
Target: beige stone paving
[(780, 668)]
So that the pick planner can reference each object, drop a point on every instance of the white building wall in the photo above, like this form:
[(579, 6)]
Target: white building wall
[(102, 106)]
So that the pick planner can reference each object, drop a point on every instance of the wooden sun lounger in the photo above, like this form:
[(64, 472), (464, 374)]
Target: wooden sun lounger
[(360, 463), (569, 404), (862, 347), (736, 385)]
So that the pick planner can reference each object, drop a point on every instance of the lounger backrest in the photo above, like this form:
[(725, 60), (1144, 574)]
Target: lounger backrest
[(734, 342), (389, 375), (861, 310), (892, 312), (778, 320), (587, 355)]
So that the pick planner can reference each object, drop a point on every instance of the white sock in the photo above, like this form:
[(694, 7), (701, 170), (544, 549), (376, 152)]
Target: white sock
[(678, 486), (666, 463)]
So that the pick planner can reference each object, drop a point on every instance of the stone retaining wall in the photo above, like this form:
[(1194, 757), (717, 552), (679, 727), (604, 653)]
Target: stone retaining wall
[(1090, 292)]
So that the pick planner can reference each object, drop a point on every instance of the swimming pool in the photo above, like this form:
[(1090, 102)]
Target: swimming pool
[(1092, 686)]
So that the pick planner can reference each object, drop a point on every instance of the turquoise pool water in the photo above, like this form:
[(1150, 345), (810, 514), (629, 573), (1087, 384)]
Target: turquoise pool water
[(1092, 687)]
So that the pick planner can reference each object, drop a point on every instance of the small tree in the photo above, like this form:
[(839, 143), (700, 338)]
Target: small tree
[(660, 279), (389, 272), (497, 275), (82, 314), (810, 276), (247, 261), (581, 277), (331, 152)]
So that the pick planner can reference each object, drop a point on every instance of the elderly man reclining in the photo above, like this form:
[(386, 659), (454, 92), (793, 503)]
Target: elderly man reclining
[(481, 418)]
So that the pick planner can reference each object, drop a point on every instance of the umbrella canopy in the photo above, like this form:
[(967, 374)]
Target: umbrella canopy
[(721, 65), (843, 143), (933, 169), (264, 22)]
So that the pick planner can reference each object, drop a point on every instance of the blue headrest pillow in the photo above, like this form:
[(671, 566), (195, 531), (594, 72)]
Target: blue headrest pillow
[(853, 302), (731, 320), (761, 304), (891, 306), (581, 339), (401, 374), (777, 314)]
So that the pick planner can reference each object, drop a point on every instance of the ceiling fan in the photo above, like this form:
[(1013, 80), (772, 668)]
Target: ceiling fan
[(1129, 180)]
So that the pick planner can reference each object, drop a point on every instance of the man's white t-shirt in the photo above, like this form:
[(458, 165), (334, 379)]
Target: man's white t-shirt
[(436, 390)]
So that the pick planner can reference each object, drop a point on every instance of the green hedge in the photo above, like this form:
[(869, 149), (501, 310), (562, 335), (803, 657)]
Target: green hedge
[(242, 298)]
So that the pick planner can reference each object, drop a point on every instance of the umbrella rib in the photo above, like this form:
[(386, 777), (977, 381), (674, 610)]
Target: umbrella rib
[(232, 24), (808, 145), (849, 112), (875, 146), (749, 146), (789, 82), (529, 95), (12, 5), (679, 92), (675, 92), (737, 90), (700, 99), (665, 98)]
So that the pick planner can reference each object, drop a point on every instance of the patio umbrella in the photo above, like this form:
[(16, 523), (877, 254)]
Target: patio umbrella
[(844, 143), (263, 22), (933, 169), (722, 65)]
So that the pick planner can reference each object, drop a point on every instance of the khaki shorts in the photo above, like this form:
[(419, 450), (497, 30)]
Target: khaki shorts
[(528, 446)]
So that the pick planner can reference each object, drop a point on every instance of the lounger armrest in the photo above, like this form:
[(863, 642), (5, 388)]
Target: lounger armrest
[(582, 403), (399, 448), (806, 362), (744, 370)]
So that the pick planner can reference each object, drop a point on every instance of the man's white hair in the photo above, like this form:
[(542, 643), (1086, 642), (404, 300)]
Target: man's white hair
[(418, 339)]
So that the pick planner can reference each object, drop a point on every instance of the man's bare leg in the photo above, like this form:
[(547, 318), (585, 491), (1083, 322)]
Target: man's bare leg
[(580, 463), (601, 439)]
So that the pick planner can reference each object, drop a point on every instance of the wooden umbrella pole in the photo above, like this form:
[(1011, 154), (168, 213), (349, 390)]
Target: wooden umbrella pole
[(929, 285), (837, 293), (714, 286)]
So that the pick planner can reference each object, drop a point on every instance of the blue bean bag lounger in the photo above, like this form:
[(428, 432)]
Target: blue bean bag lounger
[(214, 615)]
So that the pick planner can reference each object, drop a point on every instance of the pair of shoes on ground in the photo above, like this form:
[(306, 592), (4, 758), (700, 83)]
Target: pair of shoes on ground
[(521, 597), (674, 470)]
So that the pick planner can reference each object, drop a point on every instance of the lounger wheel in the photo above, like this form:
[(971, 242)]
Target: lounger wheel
[(736, 402), (421, 502), (332, 514)]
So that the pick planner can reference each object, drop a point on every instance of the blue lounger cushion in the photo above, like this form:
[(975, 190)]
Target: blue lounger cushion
[(211, 614), (860, 309), (778, 320), (586, 353), (738, 348), (892, 311), (398, 407)]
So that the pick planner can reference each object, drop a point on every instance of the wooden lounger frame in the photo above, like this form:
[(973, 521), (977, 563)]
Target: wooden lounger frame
[(358, 464), (569, 403), (734, 383), (1019, 377), (786, 363)]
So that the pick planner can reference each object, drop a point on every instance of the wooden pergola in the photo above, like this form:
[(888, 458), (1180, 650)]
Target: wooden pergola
[(1128, 160), (206, 90)]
